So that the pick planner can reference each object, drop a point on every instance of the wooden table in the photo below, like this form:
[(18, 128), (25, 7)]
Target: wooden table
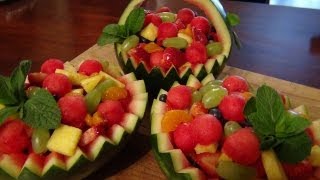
[(281, 42)]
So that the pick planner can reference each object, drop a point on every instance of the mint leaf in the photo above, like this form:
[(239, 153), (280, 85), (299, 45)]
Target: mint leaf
[(6, 94), (268, 142), (6, 112), (115, 30), (290, 125), (261, 126), (269, 105), (233, 19), (18, 78), (107, 39), (135, 21), (250, 107), (41, 110), (294, 149)]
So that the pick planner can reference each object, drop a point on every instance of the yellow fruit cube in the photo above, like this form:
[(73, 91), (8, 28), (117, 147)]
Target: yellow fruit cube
[(74, 77), (224, 157), (272, 166), (186, 37), (150, 32), (90, 83), (107, 76), (314, 157), (211, 148), (2, 106), (64, 140)]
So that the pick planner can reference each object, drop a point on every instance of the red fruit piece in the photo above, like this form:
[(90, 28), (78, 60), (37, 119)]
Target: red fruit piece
[(180, 24), (179, 97), (242, 146), (208, 162), (232, 107), (89, 67), (152, 18), (50, 66), (301, 170), (166, 30), (201, 23), (36, 79), (261, 173), (172, 56), (185, 15), (111, 111), (163, 9), (199, 36), (139, 54), (57, 84), (73, 110), (196, 53), (90, 135), (156, 59), (198, 109), (14, 137), (207, 129), (235, 84), (183, 138)]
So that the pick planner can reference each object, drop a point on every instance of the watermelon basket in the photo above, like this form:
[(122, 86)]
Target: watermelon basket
[(157, 75), (206, 130)]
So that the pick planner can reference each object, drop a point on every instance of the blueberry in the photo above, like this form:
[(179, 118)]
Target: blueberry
[(163, 97), (245, 123), (144, 40), (216, 113)]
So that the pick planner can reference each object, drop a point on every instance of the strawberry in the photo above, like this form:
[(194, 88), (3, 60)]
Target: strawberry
[(301, 170), (111, 111), (232, 107), (207, 129), (179, 97), (242, 146), (90, 66), (207, 162), (73, 110), (183, 137), (235, 84), (14, 137), (50, 66), (57, 84)]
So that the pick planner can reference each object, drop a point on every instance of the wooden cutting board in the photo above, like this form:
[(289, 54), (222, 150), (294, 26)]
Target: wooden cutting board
[(146, 167)]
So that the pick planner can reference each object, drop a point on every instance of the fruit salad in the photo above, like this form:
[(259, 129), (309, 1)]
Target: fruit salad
[(65, 119), (164, 46), (226, 130)]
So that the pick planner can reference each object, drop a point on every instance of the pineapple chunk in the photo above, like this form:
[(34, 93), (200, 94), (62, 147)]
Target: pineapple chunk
[(2, 106), (211, 148), (314, 157), (107, 76), (272, 166), (90, 83), (64, 140), (150, 32), (224, 157), (303, 111), (186, 37), (74, 77)]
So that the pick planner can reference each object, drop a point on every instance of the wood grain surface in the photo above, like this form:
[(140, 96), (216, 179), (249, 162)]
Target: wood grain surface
[(136, 160)]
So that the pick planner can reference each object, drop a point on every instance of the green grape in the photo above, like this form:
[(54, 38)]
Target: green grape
[(39, 140), (196, 96), (207, 88), (212, 98), (129, 43), (104, 85), (214, 48), (92, 99), (230, 127), (214, 82), (235, 171), (167, 17), (175, 42)]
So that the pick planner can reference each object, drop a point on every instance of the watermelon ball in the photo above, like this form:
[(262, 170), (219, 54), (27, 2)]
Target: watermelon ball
[(89, 67), (185, 15), (179, 97), (50, 66), (166, 30), (201, 23), (235, 84), (164, 9), (57, 84), (183, 137), (152, 18), (172, 56), (207, 129), (232, 107), (156, 59), (242, 146), (73, 110), (196, 53), (14, 137), (112, 111)]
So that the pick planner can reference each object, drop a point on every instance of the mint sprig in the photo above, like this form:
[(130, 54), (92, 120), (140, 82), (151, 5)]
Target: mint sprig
[(39, 110), (276, 127), (115, 33)]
